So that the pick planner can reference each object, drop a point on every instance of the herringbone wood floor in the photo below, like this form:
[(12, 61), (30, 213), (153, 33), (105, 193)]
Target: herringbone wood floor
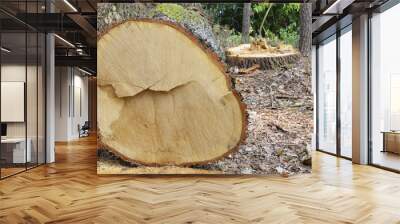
[(69, 191)]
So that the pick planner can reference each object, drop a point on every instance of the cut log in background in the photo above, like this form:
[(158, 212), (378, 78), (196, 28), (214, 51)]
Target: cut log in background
[(163, 98), (244, 57)]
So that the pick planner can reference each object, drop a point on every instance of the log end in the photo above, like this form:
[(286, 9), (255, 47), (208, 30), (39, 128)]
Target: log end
[(244, 56), (162, 105)]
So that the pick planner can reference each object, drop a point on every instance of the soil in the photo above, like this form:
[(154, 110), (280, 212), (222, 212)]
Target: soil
[(280, 108)]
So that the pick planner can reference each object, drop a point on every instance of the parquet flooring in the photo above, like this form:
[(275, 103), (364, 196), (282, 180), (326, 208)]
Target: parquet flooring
[(70, 191), (7, 171)]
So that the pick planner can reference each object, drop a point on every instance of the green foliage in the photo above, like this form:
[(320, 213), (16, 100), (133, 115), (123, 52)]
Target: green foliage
[(226, 37), (177, 12), (282, 22), (272, 38), (290, 35), (226, 14)]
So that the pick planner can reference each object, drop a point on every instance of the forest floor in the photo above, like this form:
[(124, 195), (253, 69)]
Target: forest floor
[(280, 123)]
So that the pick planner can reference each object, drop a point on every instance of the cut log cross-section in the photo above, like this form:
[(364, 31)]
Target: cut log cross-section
[(245, 57), (163, 98)]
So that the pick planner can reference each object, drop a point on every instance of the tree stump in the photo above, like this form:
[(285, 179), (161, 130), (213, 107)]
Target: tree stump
[(164, 99), (244, 57)]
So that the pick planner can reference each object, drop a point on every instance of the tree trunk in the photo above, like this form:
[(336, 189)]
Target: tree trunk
[(244, 56), (246, 23), (265, 62), (305, 29), (163, 98)]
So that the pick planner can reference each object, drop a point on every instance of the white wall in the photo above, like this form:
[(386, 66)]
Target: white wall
[(81, 85), (12, 73), (71, 102), (34, 125), (62, 81)]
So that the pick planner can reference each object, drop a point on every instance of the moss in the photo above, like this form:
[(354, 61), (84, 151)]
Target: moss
[(187, 17), (177, 12)]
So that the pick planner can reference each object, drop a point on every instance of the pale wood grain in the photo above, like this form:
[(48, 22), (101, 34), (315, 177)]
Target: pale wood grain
[(162, 98)]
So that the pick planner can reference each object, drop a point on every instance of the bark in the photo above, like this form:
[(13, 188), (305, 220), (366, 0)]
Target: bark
[(244, 56), (265, 62), (190, 18), (161, 103), (246, 23), (305, 29)]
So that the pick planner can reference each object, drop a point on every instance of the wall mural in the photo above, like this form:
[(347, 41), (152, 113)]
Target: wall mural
[(183, 90)]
